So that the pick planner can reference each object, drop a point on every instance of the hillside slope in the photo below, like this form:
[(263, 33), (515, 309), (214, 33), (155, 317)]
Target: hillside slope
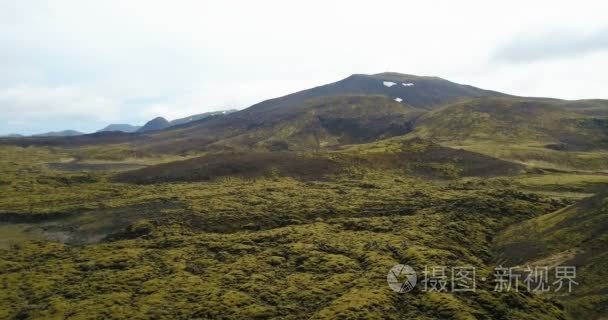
[(515, 120), (199, 116), (574, 236), (313, 124)]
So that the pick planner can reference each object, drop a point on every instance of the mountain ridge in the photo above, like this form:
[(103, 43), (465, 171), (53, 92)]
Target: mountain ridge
[(63, 133), (366, 108)]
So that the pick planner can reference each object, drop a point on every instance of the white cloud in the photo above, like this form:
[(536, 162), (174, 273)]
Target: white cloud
[(553, 44), (24, 107), (66, 101)]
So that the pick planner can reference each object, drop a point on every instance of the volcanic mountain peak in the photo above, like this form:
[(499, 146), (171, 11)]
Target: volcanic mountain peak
[(418, 91), (157, 123)]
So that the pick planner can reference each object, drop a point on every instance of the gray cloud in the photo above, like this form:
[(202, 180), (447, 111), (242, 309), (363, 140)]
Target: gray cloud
[(552, 45)]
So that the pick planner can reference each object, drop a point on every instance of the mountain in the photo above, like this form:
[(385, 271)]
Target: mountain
[(64, 133), (368, 108), (199, 116), (120, 127), (358, 109), (416, 91), (157, 123)]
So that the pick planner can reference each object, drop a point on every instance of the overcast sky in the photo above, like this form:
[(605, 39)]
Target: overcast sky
[(73, 64)]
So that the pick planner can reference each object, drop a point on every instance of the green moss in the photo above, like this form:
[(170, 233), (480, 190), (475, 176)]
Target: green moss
[(271, 247)]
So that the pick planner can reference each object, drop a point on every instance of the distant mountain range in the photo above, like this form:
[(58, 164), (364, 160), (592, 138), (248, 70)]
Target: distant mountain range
[(64, 133), (11, 135), (157, 123), (123, 127), (160, 123)]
